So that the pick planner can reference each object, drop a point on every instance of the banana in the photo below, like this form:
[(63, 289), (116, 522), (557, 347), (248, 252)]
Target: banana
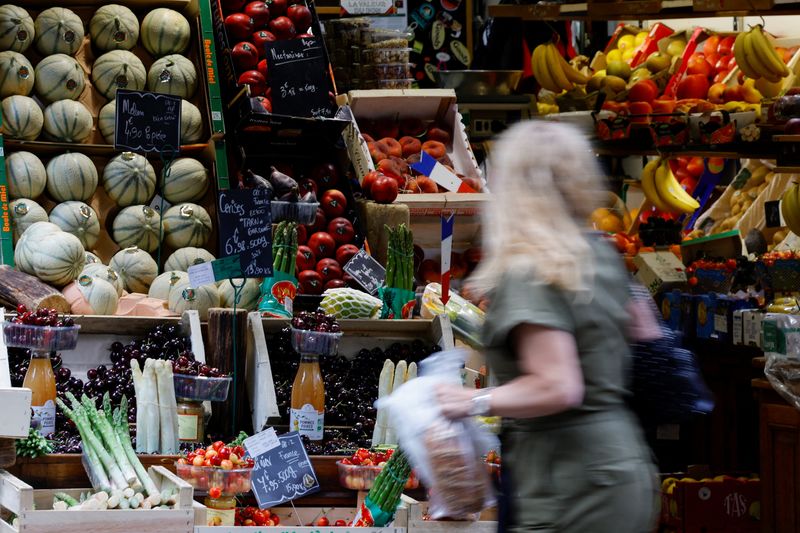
[(766, 54), (571, 72), (554, 67), (750, 51), (742, 60), (649, 185), (540, 70), (790, 208), (671, 192)]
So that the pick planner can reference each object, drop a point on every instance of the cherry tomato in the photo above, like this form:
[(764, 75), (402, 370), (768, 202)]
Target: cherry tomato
[(323, 521), (693, 281), (340, 523)]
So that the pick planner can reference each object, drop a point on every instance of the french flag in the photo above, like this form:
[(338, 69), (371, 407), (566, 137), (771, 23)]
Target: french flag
[(447, 248), (436, 171)]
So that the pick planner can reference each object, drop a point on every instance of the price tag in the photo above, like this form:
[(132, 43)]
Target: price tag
[(283, 473), (147, 122), (262, 442), (366, 271), (299, 79), (216, 270), (245, 230)]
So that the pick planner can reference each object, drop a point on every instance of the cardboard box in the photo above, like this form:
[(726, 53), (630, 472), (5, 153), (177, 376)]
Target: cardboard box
[(706, 312), (660, 271), (737, 331), (724, 330), (723, 504), (689, 315), (751, 327), (671, 309)]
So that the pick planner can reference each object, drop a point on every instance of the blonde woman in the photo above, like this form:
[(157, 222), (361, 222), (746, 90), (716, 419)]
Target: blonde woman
[(574, 459)]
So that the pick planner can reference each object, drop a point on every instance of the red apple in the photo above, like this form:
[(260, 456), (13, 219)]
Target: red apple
[(720, 76), (345, 253), (725, 47), (643, 91), (734, 93), (699, 65), (722, 64), (711, 44), (693, 86), (715, 93)]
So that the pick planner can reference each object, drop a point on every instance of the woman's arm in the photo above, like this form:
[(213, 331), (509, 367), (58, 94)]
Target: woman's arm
[(551, 379)]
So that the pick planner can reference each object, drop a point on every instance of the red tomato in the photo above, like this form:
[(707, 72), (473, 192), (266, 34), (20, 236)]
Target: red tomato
[(300, 15), (335, 284), (329, 269), (341, 230), (643, 91), (259, 39), (325, 174), (307, 186), (384, 190), (245, 56), (320, 222), (323, 521), (277, 7), (265, 102), (696, 167), (345, 253), (230, 6), (306, 260), (699, 65), (310, 282), (256, 81), (333, 203), (282, 27), (259, 12), (368, 180), (693, 86), (214, 492), (239, 26), (302, 235), (322, 244)]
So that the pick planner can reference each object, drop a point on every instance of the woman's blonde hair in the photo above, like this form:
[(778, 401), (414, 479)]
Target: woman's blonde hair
[(545, 183)]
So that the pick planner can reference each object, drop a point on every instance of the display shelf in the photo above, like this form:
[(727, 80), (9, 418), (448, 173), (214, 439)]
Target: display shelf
[(727, 151)]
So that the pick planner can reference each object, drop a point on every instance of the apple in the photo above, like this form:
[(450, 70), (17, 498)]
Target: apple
[(711, 45), (734, 93), (676, 47), (640, 112), (725, 47), (720, 76), (699, 65), (643, 91), (693, 86), (722, 64), (715, 93)]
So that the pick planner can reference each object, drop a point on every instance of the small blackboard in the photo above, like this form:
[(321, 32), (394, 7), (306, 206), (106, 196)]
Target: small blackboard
[(283, 473), (147, 122), (245, 228), (366, 271), (299, 78), (772, 213)]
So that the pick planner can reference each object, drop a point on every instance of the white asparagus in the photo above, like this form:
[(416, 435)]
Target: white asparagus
[(128, 493), (411, 373), (113, 501), (60, 506), (149, 402), (141, 425), (168, 406), (384, 389), (399, 379)]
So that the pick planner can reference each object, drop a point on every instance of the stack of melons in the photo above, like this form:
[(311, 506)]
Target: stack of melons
[(41, 92)]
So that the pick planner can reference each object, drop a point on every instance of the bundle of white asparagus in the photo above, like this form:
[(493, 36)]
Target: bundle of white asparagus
[(156, 407), (391, 378)]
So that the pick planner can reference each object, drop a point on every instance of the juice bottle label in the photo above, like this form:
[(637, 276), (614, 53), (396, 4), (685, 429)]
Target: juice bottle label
[(307, 421), (187, 428), (46, 416)]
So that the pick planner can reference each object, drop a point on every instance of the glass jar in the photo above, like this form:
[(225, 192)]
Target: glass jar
[(191, 423), (220, 511)]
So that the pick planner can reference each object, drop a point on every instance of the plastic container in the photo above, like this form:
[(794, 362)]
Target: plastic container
[(301, 212), (392, 71), (202, 388), (388, 54), (315, 342), (41, 338), (395, 84), (372, 36), (359, 477), (230, 482)]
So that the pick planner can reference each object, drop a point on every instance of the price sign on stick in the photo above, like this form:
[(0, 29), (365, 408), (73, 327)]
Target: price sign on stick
[(146, 122), (366, 271), (282, 471), (298, 77), (245, 229)]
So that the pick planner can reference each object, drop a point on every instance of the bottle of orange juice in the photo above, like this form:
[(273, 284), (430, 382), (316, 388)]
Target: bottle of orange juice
[(41, 380), (307, 414)]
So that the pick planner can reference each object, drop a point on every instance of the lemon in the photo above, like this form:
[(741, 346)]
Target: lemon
[(640, 37), (614, 55), (626, 42), (628, 54)]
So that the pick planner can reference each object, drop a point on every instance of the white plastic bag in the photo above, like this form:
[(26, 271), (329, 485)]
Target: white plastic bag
[(447, 455), (782, 349)]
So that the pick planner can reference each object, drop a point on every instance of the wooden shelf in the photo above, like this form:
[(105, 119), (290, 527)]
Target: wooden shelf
[(757, 150)]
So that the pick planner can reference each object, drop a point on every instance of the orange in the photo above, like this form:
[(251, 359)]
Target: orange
[(610, 224)]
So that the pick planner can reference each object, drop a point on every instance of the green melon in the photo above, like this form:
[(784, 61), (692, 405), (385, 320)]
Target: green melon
[(173, 74), (68, 121), (59, 77), (26, 175), (191, 123), (183, 258), (78, 219), (101, 271), (25, 212), (137, 225), (114, 27), (106, 119), (118, 69), (129, 179), (22, 118), (164, 282), (16, 74), (136, 268), (187, 181), (58, 259), (71, 176), (16, 28), (165, 31), (58, 31), (186, 224)]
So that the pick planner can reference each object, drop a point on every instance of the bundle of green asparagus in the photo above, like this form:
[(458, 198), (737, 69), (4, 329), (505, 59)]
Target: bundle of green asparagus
[(381, 502), (400, 259), (284, 247)]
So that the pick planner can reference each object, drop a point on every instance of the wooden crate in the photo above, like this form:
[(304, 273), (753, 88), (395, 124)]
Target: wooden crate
[(417, 523), (28, 505)]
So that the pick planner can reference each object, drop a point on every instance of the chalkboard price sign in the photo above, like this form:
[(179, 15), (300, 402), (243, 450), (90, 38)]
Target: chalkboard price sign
[(366, 271), (245, 228), (299, 79), (147, 122), (283, 473)]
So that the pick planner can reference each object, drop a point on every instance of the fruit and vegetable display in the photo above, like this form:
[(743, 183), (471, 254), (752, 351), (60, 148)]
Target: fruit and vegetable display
[(360, 470), (217, 469), (379, 506)]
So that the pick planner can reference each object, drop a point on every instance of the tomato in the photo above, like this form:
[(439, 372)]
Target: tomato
[(322, 244), (325, 174), (277, 7), (302, 235), (307, 186), (329, 269), (255, 80), (259, 12), (340, 523), (696, 167), (239, 26), (333, 203), (306, 260), (282, 27), (231, 6), (214, 492), (693, 86), (245, 56), (341, 230), (260, 39), (368, 180), (323, 521), (310, 282), (320, 222), (300, 16), (384, 190), (345, 253), (643, 91)]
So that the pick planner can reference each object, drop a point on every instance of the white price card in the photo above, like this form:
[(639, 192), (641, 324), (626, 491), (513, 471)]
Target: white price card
[(261, 442)]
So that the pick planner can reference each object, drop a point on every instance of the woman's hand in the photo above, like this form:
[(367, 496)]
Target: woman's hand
[(455, 401)]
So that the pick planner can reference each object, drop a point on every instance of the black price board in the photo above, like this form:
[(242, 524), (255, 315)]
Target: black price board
[(245, 228), (283, 472), (366, 271), (147, 122), (772, 212), (299, 78)]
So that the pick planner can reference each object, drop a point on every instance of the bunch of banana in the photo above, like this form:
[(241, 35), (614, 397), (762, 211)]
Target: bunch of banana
[(790, 208), (756, 56), (552, 71), (663, 190)]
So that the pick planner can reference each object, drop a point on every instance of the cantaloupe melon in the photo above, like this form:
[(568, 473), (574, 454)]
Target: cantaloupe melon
[(129, 179), (68, 121), (191, 123), (58, 259), (24, 212), (99, 293), (71, 176), (92, 259), (106, 119), (187, 181), (17, 75), (114, 27), (184, 297), (186, 224), (27, 242), (137, 225), (173, 74), (164, 282), (22, 118), (183, 258), (26, 175), (16, 28), (78, 219), (58, 31), (165, 31), (106, 273), (118, 69), (136, 268), (59, 77)]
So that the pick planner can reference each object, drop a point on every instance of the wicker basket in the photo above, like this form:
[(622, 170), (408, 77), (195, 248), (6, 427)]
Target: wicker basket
[(8, 452)]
